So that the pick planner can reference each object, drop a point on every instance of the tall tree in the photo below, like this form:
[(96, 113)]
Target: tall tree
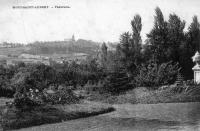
[(104, 55), (125, 50), (158, 37), (136, 37), (130, 45), (194, 34), (189, 47), (176, 37)]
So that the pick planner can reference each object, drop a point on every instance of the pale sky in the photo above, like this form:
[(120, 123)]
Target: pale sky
[(97, 20)]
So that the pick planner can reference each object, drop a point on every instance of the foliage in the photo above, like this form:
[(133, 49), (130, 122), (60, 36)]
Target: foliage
[(155, 75), (6, 73), (175, 36), (189, 47), (104, 55), (117, 81), (61, 97), (25, 103), (169, 42), (37, 76), (129, 48), (158, 37)]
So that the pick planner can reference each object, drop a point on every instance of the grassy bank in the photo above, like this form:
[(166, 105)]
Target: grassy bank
[(144, 96), (14, 119)]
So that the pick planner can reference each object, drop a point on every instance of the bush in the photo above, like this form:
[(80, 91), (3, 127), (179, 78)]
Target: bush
[(6, 92), (192, 90), (25, 103), (117, 82), (155, 75), (60, 97)]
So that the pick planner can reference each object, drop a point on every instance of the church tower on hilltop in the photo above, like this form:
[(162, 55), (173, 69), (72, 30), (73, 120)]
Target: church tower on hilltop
[(73, 38)]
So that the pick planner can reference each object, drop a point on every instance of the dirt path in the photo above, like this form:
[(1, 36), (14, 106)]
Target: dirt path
[(141, 117)]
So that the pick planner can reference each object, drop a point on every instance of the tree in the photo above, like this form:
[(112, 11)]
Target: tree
[(189, 47), (130, 46), (6, 73), (136, 38), (104, 54), (117, 81), (127, 52), (176, 37), (158, 37), (36, 76), (194, 34)]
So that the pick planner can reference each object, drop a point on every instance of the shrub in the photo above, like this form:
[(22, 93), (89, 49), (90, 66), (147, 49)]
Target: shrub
[(60, 97), (23, 102), (5, 92), (192, 90), (155, 75), (117, 81)]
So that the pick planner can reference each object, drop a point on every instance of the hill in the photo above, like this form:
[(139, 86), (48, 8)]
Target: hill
[(51, 47), (63, 47)]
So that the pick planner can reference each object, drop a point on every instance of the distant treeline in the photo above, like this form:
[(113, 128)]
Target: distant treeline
[(62, 47)]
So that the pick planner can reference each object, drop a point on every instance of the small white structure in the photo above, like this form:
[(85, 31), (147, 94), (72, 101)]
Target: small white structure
[(196, 68)]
